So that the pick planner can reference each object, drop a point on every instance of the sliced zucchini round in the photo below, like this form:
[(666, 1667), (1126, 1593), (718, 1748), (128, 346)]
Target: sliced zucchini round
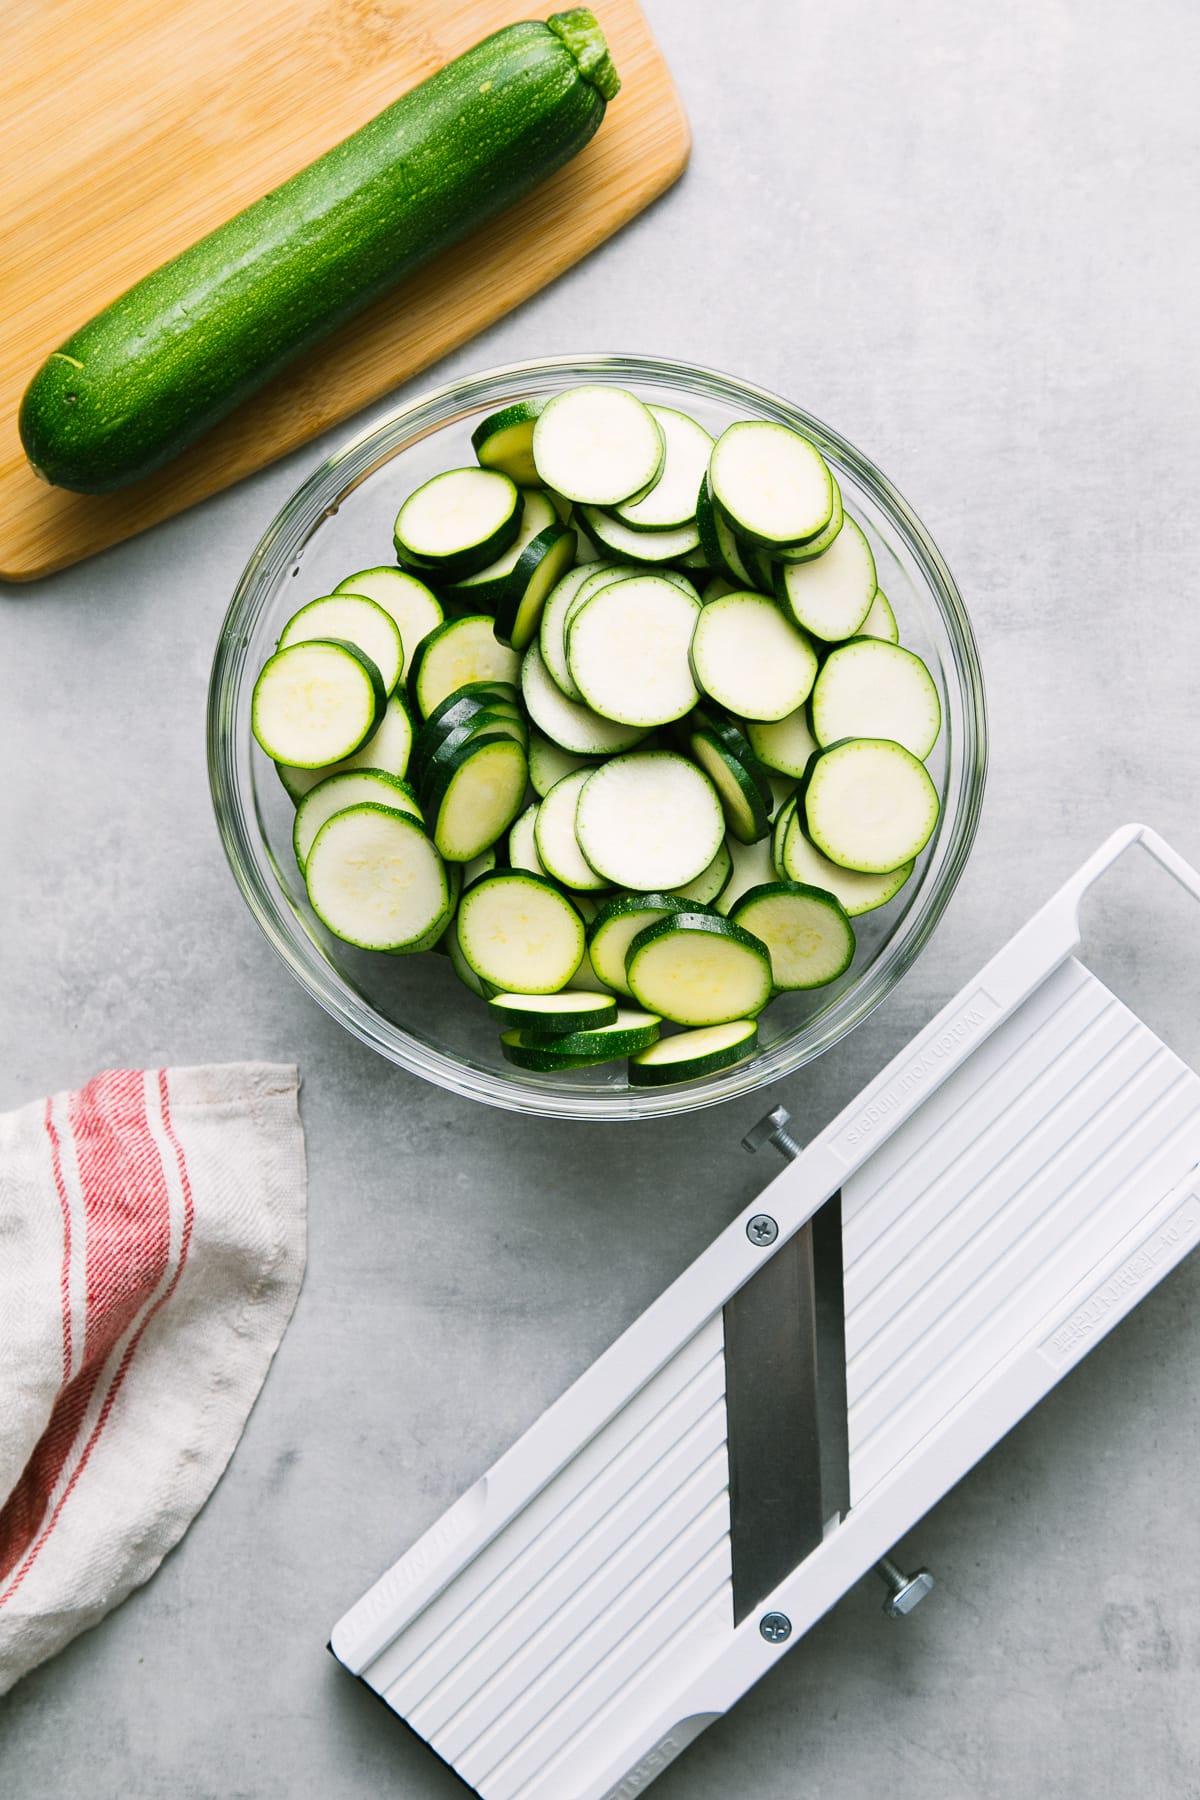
[(375, 880), (462, 968), (751, 659), (616, 539), (597, 445), (772, 484), (388, 749), (880, 622), (832, 595), (475, 794), (569, 1010), (415, 607), (698, 969), (599, 575), (627, 649), (316, 702), (463, 707), (715, 587), (548, 763), (555, 836), (447, 752), (649, 820), (351, 619), (522, 843), (357, 787), (808, 936), (565, 722), (711, 883), (717, 541), (504, 441), (868, 804), (484, 864), (542, 563), (690, 1054), (800, 860), (458, 521), (745, 797), (671, 502), (814, 546), (617, 924), (485, 588), (783, 745), (459, 653), (520, 933), (872, 689), (552, 638), (629, 1031)]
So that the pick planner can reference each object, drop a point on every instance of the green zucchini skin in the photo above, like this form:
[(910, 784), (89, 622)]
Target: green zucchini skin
[(152, 372)]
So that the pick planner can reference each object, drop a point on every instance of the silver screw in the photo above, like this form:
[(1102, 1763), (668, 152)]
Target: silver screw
[(905, 1592), (773, 1130), (762, 1229), (775, 1627)]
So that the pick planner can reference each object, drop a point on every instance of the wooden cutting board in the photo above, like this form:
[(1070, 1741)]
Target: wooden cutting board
[(133, 127)]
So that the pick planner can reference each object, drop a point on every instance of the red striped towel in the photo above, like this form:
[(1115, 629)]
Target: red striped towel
[(152, 1242)]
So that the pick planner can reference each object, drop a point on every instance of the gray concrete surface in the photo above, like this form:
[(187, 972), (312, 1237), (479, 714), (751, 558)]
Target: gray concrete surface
[(966, 236)]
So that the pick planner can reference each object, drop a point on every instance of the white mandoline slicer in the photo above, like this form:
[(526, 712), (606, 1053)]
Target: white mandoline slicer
[(920, 1276)]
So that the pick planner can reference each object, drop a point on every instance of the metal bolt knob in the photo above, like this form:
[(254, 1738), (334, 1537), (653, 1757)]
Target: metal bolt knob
[(776, 1627), (905, 1592), (762, 1229), (773, 1130)]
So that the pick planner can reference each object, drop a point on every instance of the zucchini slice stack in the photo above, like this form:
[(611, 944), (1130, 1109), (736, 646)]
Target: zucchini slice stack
[(627, 732)]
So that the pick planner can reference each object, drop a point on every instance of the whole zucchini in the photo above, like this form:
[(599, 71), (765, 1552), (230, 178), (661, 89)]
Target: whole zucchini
[(148, 375)]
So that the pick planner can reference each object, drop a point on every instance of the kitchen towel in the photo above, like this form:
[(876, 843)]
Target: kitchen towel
[(152, 1243)]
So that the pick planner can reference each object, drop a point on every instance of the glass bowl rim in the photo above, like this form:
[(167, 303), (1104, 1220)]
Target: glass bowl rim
[(302, 514)]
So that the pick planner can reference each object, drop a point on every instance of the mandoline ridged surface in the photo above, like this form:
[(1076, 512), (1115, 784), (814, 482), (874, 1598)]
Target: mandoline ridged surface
[(1003, 1190), (620, 1564)]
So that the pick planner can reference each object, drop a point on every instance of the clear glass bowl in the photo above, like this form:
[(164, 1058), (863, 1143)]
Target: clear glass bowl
[(413, 1009)]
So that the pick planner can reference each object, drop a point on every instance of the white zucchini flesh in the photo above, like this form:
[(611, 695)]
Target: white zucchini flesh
[(869, 804), (784, 745), (455, 513), (415, 607), (696, 970), (642, 546), (362, 787), (463, 651), (808, 936), (628, 651), (671, 502), (711, 882), (554, 642), (649, 821), (315, 703), (522, 843), (832, 595), (566, 722), (814, 546), (615, 929), (388, 749), (597, 445), (479, 866), (537, 515), (585, 975), (857, 893), (572, 1009), (354, 620), (548, 763), (480, 798), (552, 624), (376, 881), (747, 656), (753, 866), (713, 590), (689, 1054), (770, 482), (555, 837), (504, 441), (871, 689), (519, 933), (880, 622)]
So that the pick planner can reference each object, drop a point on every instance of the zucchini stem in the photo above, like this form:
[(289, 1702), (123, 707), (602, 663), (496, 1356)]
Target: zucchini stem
[(580, 31)]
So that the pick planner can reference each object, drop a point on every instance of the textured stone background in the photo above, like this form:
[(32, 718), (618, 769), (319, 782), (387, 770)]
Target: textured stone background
[(966, 236)]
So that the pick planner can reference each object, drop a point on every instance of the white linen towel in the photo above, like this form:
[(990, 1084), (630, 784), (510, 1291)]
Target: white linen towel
[(152, 1244)]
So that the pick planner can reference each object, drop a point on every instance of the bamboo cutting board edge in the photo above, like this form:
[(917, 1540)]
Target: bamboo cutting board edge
[(640, 150)]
